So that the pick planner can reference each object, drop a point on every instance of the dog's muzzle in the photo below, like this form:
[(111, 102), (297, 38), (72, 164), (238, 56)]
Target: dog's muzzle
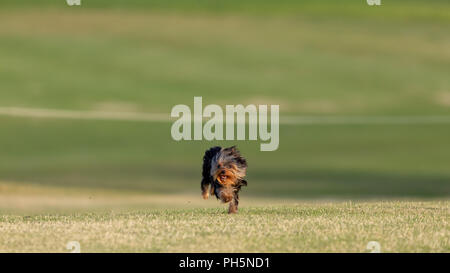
[(225, 194)]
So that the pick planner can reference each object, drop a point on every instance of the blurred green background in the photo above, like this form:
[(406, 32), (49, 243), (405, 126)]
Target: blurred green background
[(313, 58)]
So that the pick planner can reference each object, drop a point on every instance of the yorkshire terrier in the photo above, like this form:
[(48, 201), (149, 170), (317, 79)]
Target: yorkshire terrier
[(224, 170)]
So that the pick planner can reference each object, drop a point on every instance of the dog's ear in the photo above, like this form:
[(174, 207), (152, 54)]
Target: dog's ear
[(233, 150), (242, 162), (239, 159)]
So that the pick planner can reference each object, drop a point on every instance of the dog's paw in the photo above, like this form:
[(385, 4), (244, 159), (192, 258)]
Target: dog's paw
[(205, 195), (232, 209)]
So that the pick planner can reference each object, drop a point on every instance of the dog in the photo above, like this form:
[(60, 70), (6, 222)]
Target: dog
[(224, 170)]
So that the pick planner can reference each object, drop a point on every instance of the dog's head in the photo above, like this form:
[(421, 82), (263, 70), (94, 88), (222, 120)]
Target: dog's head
[(228, 168)]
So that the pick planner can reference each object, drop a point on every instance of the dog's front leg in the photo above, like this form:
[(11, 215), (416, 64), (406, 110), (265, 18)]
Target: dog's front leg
[(205, 185), (234, 204)]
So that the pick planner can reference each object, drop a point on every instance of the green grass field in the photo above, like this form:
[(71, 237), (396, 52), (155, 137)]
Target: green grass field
[(116, 185), (45, 219), (342, 227)]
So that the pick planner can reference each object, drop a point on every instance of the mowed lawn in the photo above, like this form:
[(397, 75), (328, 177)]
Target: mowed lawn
[(149, 60), (117, 186), (44, 219), (146, 57), (301, 227), (341, 227), (338, 161)]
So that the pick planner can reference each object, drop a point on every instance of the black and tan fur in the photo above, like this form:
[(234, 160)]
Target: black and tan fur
[(224, 170)]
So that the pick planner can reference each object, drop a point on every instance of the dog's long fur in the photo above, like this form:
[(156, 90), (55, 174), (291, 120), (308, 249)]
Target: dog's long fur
[(224, 170)]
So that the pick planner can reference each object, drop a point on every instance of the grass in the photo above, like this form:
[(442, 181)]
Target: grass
[(44, 219), (148, 61), (354, 161), (394, 10), (127, 186), (304, 227)]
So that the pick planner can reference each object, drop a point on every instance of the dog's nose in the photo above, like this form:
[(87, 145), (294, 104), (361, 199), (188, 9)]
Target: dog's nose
[(222, 172)]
